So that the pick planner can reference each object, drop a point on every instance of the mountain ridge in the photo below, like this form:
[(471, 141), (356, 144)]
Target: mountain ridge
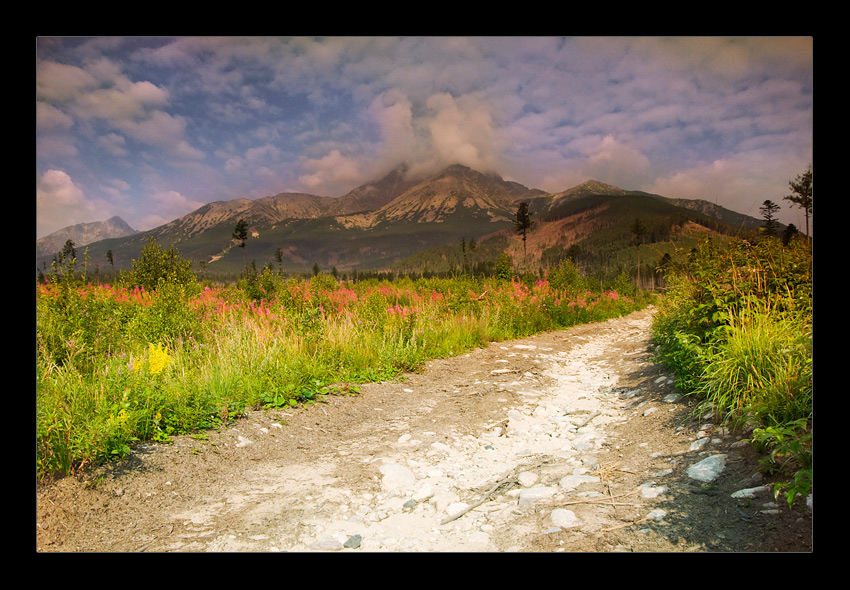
[(380, 222), (83, 234)]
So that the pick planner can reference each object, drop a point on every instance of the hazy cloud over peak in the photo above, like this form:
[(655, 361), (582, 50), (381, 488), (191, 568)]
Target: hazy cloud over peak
[(202, 118)]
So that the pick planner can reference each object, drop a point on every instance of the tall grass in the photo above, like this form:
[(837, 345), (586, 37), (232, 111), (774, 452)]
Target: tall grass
[(736, 326), (116, 366), (761, 370)]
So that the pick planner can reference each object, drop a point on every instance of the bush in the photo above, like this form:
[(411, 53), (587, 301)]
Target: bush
[(565, 276), (736, 327), (157, 267)]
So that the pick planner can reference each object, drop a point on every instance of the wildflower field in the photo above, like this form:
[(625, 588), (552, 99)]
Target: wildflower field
[(120, 364)]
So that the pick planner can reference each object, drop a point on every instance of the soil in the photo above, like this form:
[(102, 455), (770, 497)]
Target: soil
[(214, 492)]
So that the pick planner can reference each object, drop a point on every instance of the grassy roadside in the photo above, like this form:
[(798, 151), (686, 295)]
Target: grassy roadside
[(736, 326), (116, 365)]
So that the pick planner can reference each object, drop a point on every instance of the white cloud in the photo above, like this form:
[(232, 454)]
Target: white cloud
[(167, 206), (332, 171), (615, 162), (60, 203), (740, 183), (163, 131), (114, 144), (686, 116)]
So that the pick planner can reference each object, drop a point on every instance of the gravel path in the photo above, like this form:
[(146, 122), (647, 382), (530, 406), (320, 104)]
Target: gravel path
[(567, 441)]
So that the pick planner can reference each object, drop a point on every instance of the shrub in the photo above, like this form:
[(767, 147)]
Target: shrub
[(736, 327), (157, 267)]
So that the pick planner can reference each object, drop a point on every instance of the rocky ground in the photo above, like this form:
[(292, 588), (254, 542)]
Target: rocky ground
[(568, 441)]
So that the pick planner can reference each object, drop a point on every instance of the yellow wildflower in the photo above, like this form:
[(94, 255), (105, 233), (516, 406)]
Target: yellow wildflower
[(158, 359)]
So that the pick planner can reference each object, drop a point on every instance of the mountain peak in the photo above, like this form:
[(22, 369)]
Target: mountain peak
[(595, 187), (83, 234)]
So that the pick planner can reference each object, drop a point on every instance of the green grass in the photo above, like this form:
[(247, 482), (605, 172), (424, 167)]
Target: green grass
[(736, 327), (117, 366)]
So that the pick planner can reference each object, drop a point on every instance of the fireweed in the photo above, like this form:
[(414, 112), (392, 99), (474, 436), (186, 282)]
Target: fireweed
[(217, 353)]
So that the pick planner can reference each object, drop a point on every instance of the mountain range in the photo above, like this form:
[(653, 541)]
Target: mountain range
[(82, 234), (394, 220)]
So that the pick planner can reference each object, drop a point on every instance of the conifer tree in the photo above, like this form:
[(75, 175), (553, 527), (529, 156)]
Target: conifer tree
[(241, 234), (802, 194), (769, 209), (523, 223)]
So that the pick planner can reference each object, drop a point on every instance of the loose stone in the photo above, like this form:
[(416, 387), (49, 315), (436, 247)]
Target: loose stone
[(708, 469)]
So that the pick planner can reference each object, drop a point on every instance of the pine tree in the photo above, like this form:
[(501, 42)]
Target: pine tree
[(241, 234), (802, 194), (638, 231), (769, 209), (523, 223)]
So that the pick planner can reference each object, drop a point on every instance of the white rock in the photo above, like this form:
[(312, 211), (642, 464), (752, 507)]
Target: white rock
[(571, 482), (751, 492), (566, 519), (707, 469), (657, 514), (424, 493), (397, 477), (243, 442), (649, 491), (326, 545), (456, 508), (699, 443), (442, 500), (529, 496), (527, 479)]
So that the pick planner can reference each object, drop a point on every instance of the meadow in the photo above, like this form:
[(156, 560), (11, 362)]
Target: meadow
[(145, 360), (159, 353)]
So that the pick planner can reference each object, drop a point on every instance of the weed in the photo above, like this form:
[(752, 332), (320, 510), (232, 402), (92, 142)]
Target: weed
[(118, 365), (735, 326)]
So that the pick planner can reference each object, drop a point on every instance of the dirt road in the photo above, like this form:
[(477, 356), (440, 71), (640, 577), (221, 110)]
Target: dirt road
[(568, 441)]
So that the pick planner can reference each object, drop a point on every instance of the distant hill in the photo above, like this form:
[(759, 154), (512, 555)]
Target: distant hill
[(397, 218), (82, 234), (592, 224)]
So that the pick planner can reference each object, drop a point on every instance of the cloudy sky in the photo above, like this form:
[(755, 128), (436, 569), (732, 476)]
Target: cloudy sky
[(152, 128)]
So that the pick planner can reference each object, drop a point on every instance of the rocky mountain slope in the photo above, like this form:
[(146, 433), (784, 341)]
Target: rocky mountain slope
[(82, 234), (380, 223)]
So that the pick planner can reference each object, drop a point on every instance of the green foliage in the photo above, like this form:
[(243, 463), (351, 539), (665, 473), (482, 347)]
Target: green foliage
[(736, 327), (116, 365), (788, 449), (257, 286), (504, 267), (801, 193), (523, 220), (565, 276), (240, 233), (761, 370), (157, 267), (167, 316)]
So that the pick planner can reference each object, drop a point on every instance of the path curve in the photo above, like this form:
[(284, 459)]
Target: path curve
[(572, 440)]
